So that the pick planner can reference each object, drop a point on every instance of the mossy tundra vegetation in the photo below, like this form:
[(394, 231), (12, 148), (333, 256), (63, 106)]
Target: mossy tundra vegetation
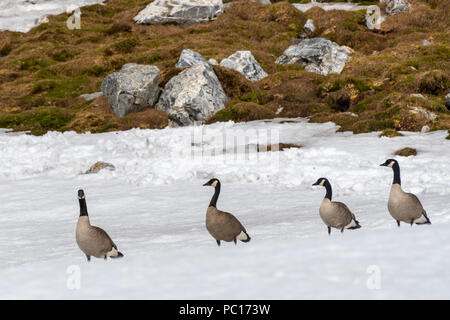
[(44, 72)]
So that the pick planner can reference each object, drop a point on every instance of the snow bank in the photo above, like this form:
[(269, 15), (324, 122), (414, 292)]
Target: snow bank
[(23, 15), (155, 157), (153, 206)]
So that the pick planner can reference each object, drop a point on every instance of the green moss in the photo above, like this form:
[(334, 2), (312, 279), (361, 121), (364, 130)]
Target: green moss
[(32, 63), (5, 50), (40, 121), (353, 23), (406, 152), (61, 88), (62, 55), (126, 46)]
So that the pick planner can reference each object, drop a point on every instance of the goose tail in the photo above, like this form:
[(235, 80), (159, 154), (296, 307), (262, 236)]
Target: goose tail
[(423, 219), (354, 225), (244, 237), (119, 255)]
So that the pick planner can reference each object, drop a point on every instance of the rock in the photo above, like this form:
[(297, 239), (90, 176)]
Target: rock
[(189, 58), (425, 42), (213, 62), (309, 26), (396, 6), (100, 165), (194, 94), (429, 115), (418, 95), (245, 63), (91, 96), (131, 89), (447, 101), (425, 129), (300, 38), (179, 11), (374, 18), (262, 1), (318, 55)]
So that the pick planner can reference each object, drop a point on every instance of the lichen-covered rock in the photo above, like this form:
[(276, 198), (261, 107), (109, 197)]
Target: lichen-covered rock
[(193, 95), (245, 63), (447, 101), (318, 55), (179, 11), (309, 26), (100, 165), (131, 89), (374, 19), (189, 58), (396, 6)]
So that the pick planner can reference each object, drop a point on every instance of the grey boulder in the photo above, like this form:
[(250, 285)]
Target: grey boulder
[(373, 17), (179, 11), (193, 95), (131, 89), (447, 101), (189, 58), (245, 63), (396, 6), (309, 26), (317, 55)]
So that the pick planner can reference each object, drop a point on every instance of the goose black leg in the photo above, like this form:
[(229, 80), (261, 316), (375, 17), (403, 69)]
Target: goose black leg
[(235, 242), (218, 242), (329, 230), (412, 221), (398, 223), (342, 230), (88, 258)]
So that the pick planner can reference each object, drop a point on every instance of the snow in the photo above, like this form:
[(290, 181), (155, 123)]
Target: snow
[(345, 6), (23, 15), (153, 206)]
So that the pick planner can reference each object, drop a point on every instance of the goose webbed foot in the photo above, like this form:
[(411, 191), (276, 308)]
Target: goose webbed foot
[(398, 223), (329, 230), (218, 242)]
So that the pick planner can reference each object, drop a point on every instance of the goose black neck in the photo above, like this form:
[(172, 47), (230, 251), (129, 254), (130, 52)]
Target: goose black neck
[(396, 169), (327, 186), (215, 196), (83, 208)]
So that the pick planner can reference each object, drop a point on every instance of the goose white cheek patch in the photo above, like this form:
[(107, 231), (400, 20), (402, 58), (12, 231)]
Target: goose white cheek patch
[(214, 183)]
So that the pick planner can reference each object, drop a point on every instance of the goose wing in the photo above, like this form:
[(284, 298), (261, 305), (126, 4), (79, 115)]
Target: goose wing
[(232, 221), (103, 237), (343, 213)]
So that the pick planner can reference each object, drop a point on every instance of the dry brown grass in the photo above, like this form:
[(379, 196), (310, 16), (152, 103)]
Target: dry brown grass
[(50, 66), (406, 152)]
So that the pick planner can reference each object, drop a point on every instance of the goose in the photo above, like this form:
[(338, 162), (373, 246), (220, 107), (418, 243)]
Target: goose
[(223, 226), (335, 214), (404, 206), (93, 241)]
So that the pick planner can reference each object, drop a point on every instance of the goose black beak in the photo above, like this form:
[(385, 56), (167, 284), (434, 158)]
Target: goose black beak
[(315, 184), (383, 165), (206, 184)]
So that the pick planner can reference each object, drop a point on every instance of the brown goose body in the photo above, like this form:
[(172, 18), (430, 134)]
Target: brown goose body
[(223, 226), (335, 214), (93, 241), (403, 206), (406, 207)]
